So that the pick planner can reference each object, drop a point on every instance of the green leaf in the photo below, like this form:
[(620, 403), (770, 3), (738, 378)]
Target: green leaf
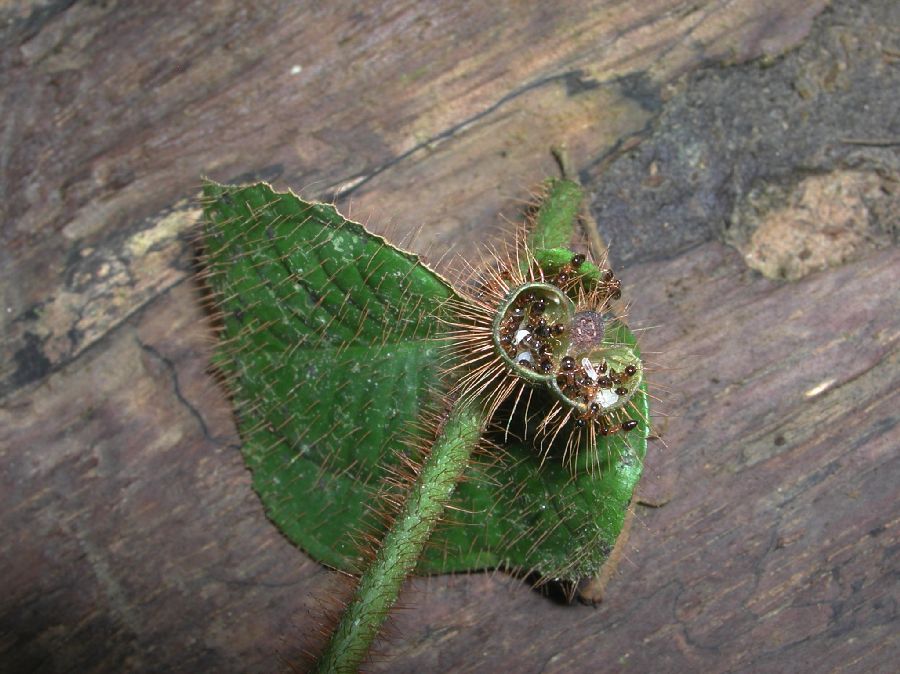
[(328, 342)]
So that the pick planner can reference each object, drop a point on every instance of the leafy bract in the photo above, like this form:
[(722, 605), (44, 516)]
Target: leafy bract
[(329, 345)]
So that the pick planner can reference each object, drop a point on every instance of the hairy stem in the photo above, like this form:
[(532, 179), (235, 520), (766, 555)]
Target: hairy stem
[(401, 547), (599, 249), (554, 225)]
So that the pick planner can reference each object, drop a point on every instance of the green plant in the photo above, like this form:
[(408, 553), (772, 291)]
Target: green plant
[(360, 376)]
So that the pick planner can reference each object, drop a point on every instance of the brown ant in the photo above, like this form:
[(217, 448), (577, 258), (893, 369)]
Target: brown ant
[(568, 271)]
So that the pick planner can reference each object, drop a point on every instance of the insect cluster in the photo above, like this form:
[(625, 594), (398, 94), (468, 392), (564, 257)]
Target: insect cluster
[(548, 323)]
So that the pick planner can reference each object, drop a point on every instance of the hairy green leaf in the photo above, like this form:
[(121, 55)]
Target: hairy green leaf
[(328, 344)]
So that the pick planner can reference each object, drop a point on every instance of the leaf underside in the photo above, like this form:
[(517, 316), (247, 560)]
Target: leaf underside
[(328, 344)]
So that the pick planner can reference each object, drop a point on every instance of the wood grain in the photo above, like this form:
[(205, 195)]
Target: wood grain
[(132, 538)]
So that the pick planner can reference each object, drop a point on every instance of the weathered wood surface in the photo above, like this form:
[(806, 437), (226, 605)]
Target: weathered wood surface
[(132, 539)]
